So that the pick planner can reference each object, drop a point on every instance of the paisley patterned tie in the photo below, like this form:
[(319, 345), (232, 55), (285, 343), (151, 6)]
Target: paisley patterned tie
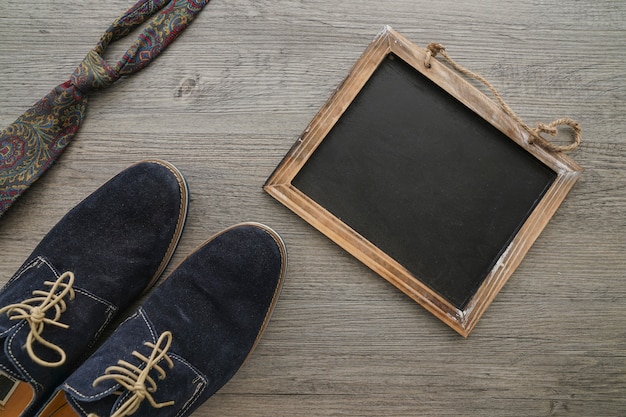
[(33, 142)]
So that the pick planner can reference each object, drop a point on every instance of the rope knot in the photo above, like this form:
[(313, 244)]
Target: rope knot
[(139, 390), (93, 73), (432, 50), (37, 315)]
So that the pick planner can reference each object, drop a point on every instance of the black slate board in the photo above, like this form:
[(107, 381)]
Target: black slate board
[(416, 173)]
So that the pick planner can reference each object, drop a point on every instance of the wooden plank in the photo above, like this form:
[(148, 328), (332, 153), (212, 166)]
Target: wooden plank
[(243, 81)]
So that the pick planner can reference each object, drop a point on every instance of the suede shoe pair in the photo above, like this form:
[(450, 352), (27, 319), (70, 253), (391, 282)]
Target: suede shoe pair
[(186, 341)]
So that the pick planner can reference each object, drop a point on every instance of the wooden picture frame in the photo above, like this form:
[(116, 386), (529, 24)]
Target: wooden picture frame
[(424, 179)]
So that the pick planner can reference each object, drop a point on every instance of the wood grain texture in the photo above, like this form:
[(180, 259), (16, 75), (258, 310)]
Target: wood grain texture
[(225, 103)]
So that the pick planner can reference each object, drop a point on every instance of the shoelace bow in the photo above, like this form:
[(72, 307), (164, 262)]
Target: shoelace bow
[(34, 311), (138, 381)]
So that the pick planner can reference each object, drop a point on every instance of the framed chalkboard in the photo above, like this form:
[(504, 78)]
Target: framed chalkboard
[(424, 179)]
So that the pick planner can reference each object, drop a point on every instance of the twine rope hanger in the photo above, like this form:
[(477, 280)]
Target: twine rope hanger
[(434, 49)]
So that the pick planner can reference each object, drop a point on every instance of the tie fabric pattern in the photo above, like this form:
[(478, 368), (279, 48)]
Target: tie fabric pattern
[(36, 139)]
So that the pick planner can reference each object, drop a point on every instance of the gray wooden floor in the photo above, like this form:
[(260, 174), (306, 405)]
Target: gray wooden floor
[(229, 98)]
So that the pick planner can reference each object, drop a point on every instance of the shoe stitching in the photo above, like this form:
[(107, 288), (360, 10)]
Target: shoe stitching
[(109, 305), (38, 387), (35, 315), (9, 372), (138, 313), (138, 381), (77, 405), (110, 311), (200, 387), (36, 262), (149, 325), (192, 400), (129, 318), (33, 263), (200, 381), (84, 397)]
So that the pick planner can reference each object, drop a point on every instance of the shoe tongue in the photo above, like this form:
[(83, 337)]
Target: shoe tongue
[(13, 333), (29, 278), (73, 340), (101, 399), (117, 347), (182, 384)]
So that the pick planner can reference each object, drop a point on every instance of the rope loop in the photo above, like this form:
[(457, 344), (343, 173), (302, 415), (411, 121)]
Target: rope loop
[(552, 129), (535, 135)]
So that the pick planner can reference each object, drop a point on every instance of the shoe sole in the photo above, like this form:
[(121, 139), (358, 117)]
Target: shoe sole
[(283, 271), (182, 218)]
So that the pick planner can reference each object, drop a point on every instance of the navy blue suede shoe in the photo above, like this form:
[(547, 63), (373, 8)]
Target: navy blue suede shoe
[(189, 337), (97, 260)]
